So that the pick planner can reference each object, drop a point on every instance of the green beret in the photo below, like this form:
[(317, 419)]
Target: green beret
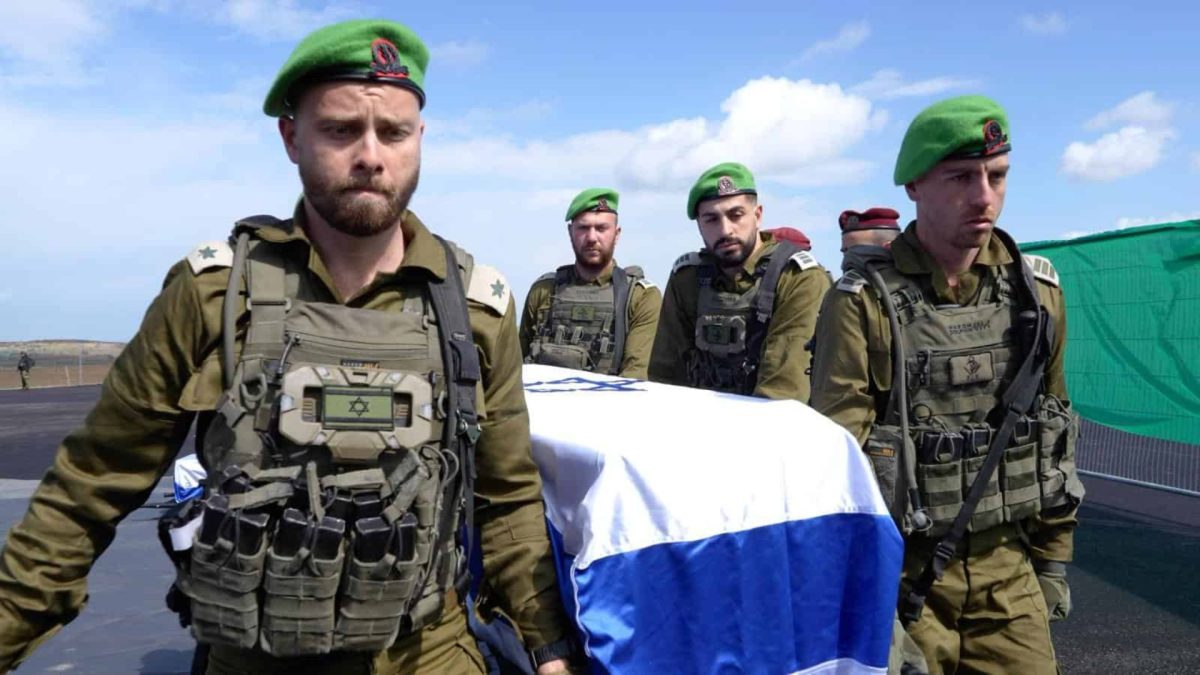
[(364, 49), (593, 199), (961, 127), (722, 180)]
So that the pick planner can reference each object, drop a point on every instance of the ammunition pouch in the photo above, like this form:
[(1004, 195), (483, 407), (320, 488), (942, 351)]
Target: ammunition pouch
[(575, 357), (1059, 432), (886, 446)]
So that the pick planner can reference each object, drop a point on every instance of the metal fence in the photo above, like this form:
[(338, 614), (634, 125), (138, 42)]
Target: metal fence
[(1141, 460)]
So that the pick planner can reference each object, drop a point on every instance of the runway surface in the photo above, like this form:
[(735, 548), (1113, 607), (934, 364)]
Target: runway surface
[(1135, 581)]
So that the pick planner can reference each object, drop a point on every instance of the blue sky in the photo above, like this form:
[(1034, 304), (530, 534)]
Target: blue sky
[(130, 130)]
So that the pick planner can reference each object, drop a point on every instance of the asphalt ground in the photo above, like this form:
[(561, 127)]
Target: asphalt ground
[(1135, 582)]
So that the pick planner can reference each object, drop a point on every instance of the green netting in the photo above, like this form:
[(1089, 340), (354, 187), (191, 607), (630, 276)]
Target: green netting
[(1133, 337)]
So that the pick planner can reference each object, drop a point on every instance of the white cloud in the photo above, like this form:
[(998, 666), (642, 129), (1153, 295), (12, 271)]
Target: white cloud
[(458, 54), (889, 84), (1135, 148), (276, 19), (850, 36), (1143, 109), (1173, 217), (1129, 151), (1050, 23), (49, 30), (1196, 161), (1075, 234), (793, 131)]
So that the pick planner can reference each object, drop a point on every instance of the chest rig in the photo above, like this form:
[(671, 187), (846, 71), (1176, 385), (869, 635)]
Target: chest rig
[(731, 327), (586, 325), (340, 462), (966, 439)]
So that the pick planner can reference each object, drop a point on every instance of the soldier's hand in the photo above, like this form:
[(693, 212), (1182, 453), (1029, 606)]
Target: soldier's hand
[(555, 667), (1052, 577)]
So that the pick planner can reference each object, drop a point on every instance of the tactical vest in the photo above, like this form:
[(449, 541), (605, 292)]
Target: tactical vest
[(957, 363), (731, 327), (587, 324), (340, 462)]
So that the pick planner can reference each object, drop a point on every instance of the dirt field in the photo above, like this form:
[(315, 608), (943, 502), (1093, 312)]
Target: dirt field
[(55, 375)]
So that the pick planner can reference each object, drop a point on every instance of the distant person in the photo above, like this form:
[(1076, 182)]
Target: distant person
[(592, 315), (876, 226), (738, 313), (24, 365)]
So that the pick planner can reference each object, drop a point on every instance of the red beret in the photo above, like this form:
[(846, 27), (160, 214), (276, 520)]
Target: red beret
[(877, 218), (793, 235)]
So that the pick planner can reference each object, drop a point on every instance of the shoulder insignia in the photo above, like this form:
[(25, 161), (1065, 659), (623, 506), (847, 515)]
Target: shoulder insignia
[(210, 254), (851, 282), (489, 287), (686, 260), (1042, 268), (645, 283), (804, 260)]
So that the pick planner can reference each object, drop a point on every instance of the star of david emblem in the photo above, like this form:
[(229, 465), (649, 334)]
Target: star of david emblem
[(498, 289), (208, 253), (360, 407)]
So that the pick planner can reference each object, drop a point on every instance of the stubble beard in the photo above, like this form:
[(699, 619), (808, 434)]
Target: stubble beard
[(594, 267), (736, 257), (358, 215)]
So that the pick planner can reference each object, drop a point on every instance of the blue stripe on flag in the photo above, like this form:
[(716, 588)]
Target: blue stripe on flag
[(774, 599)]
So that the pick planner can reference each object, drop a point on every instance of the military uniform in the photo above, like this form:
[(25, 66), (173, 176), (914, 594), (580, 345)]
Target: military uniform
[(171, 371), (964, 351), (24, 365), (449, 441), (644, 303), (783, 366)]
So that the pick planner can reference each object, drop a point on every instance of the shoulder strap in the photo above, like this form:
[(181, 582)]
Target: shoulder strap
[(462, 429), (621, 297), (764, 307)]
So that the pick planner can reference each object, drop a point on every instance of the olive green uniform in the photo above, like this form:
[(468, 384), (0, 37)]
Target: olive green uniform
[(783, 368), (171, 370), (645, 301), (990, 585)]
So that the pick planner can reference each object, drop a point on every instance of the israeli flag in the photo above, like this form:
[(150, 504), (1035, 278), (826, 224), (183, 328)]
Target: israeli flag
[(699, 532), (189, 478)]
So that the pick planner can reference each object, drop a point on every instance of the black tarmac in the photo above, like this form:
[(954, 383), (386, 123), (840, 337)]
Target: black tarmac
[(1135, 581)]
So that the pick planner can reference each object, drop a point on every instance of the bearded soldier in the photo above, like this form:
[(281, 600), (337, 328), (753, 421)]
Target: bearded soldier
[(943, 355), (357, 381), (593, 315), (737, 315)]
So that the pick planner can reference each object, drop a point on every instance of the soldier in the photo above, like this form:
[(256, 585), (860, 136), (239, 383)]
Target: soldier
[(593, 315), (876, 226), (944, 357), (333, 359), (24, 365), (738, 313)]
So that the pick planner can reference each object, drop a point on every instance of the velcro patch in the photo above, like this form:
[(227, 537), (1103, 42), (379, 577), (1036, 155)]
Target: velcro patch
[(686, 260), (1042, 268), (971, 369), (851, 282), (489, 288), (804, 259), (210, 254)]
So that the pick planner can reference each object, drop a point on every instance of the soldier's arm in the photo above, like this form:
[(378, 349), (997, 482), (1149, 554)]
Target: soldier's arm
[(1052, 535), (517, 559), (673, 336), (841, 372), (644, 309), (783, 371), (102, 471)]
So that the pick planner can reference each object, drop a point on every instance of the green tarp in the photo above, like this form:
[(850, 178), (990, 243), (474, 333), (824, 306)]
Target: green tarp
[(1133, 336)]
